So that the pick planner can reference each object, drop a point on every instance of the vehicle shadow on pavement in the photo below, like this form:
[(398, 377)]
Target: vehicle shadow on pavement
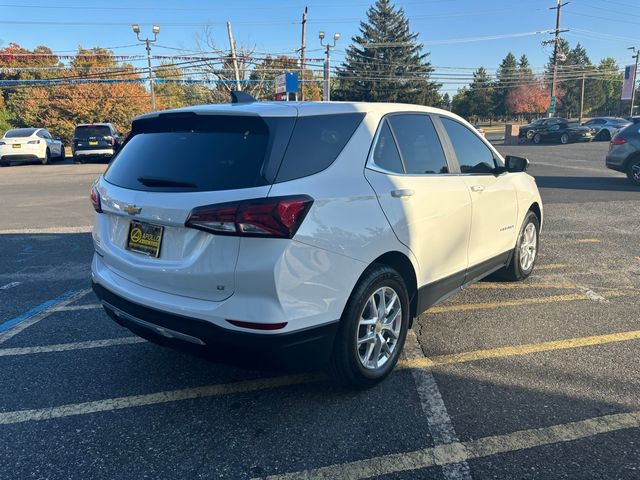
[(618, 184)]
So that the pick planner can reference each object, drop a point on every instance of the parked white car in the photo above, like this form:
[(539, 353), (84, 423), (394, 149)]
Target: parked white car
[(305, 229), (28, 145)]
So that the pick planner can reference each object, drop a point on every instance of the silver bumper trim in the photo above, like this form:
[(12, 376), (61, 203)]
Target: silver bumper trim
[(165, 332)]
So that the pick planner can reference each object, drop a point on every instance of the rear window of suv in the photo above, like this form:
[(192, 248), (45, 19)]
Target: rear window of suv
[(188, 152), (92, 131)]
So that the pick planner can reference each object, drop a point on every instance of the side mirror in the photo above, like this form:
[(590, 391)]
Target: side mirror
[(516, 164)]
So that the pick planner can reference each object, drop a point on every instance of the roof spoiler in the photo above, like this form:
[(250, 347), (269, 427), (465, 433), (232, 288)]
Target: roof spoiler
[(241, 97)]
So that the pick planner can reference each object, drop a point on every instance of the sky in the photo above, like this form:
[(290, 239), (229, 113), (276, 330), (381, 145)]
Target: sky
[(460, 35)]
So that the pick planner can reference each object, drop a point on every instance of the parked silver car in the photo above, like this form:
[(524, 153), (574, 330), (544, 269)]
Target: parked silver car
[(624, 153), (606, 127)]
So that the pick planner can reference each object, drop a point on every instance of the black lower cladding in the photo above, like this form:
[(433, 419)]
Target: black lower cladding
[(306, 348)]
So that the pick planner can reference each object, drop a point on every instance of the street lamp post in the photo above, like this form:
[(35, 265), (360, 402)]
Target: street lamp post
[(155, 29), (326, 92)]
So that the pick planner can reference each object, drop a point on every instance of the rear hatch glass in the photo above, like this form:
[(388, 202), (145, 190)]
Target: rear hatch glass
[(191, 153), (90, 131)]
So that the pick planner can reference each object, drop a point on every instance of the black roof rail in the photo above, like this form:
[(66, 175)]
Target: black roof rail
[(241, 97)]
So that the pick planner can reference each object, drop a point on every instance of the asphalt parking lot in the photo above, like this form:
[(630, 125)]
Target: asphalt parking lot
[(537, 380)]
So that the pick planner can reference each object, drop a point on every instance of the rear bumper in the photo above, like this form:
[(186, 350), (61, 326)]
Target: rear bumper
[(312, 346), (24, 157), (96, 152)]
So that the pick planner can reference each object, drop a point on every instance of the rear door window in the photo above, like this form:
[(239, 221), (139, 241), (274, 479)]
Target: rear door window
[(316, 142), (385, 154), (419, 144), (472, 153), (198, 153)]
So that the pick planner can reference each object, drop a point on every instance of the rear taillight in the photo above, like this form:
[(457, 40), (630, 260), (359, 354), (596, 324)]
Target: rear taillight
[(275, 217), (95, 199), (618, 140), (110, 140)]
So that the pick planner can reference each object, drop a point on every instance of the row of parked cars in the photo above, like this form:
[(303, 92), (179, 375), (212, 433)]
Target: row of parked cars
[(561, 130), (90, 141)]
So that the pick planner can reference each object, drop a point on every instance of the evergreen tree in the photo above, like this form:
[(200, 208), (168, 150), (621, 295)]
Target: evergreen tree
[(460, 102), (506, 74), (610, 83), (525, 74), (480, 95), (385, 62), (446, 102)]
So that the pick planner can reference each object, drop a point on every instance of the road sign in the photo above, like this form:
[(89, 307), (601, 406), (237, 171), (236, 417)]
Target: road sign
[(286, 83), (552, 105)]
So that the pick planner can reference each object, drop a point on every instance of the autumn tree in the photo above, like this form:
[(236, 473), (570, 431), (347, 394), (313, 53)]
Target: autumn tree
[(529, 98)]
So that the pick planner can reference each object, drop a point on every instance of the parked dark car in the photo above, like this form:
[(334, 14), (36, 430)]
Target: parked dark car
[(527, 131), (557, 130), (95, 140), (635, 119), (624, 153)]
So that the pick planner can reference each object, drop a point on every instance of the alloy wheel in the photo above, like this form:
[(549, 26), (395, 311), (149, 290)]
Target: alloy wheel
[(379, 328), (528, 247)]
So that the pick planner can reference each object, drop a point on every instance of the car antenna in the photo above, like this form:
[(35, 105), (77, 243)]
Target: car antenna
[(241, 97)]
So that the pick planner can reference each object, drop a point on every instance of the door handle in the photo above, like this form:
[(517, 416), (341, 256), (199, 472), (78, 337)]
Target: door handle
[(404, 192), (477, 188)]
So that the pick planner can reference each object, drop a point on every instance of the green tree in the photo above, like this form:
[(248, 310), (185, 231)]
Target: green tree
[(525, 74), (506, 76), (385, 62), (460, 102), (480, 94), (610, 83)]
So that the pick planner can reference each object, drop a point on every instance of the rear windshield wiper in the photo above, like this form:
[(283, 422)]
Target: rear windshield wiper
[(165, 182)]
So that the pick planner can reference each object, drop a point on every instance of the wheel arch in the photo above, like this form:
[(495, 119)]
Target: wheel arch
[(403, 265), (535, 208), (630, 159)]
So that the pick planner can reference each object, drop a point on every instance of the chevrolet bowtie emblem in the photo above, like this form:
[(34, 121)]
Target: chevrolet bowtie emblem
[(132, 209)]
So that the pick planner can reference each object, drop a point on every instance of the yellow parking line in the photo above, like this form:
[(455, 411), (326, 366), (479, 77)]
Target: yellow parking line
[(470, 450), (521, 301), (520, 350), (120, 403), (509, 286)]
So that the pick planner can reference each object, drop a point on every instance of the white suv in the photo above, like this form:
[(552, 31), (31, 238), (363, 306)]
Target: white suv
[(305, 229)]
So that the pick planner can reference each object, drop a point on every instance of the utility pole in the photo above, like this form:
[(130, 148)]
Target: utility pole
[(302, 48), (326, 89), (635, 76), (556, 40), (581, 99), (155, 29), (232, 44)]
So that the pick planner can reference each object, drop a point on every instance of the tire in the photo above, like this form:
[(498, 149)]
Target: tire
[(537, 138), (633, 171), (604, 135), (62, 155), (47, 158), (530, 134), (515, 271), (353, 365), (564, 138)]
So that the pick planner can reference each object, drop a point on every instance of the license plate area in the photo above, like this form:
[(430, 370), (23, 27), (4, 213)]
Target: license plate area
[(16, 145), (93, 142), (145, 238)]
